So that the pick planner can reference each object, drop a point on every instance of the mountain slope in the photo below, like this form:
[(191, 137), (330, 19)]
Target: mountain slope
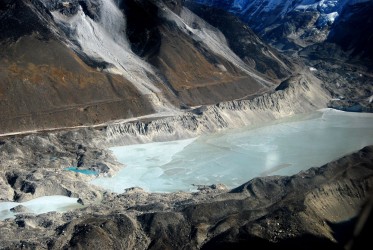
[(244, 42), (354, 31), (44, 84), (335, 38), (299, 23), (66, 63)]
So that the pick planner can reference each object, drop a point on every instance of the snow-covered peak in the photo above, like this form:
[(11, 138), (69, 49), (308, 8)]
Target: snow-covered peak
[(328, 9), (302, 22)]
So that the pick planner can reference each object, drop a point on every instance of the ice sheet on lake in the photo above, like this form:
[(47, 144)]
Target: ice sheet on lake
[(236, 156), (40, 205), (143, 165)]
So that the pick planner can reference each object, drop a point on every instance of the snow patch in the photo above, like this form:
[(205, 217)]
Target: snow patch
[(327, 19), (222, 67)]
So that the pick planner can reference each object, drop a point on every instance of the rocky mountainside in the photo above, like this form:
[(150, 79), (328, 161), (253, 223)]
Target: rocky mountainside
[(319, 207), (333, 37), (73, 63), (292, 24), (352, 34), (69, 63), (80, 76)]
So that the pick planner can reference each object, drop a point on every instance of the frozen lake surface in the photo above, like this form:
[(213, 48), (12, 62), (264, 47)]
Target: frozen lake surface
[(236, 156), (40, 205)]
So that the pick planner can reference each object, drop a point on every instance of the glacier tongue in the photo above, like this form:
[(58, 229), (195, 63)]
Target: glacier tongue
[(105, 40)]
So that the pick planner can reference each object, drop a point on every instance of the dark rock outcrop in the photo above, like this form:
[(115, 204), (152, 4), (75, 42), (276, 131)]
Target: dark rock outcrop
[(142, 27), (19, 209), (353, 32)]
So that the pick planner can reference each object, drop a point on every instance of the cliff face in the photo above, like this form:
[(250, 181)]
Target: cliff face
[(300, 94)]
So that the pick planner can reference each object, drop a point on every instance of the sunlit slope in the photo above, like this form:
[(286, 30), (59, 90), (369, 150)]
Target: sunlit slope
[(44, 84), (64, 64)]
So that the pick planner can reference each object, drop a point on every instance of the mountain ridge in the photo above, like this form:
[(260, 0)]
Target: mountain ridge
[(95, 36), (293, 24)]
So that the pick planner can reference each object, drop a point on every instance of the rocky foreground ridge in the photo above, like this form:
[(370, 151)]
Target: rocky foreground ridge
[(317, 207)]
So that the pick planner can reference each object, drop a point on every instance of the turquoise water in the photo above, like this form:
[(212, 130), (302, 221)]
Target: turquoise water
[(82, 171), (236, 156)]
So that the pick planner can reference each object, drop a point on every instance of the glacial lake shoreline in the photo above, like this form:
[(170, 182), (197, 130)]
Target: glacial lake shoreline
[(231, 157)]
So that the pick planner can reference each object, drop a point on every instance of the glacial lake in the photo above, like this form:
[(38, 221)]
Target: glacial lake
[(233, 157), (40, 205)]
